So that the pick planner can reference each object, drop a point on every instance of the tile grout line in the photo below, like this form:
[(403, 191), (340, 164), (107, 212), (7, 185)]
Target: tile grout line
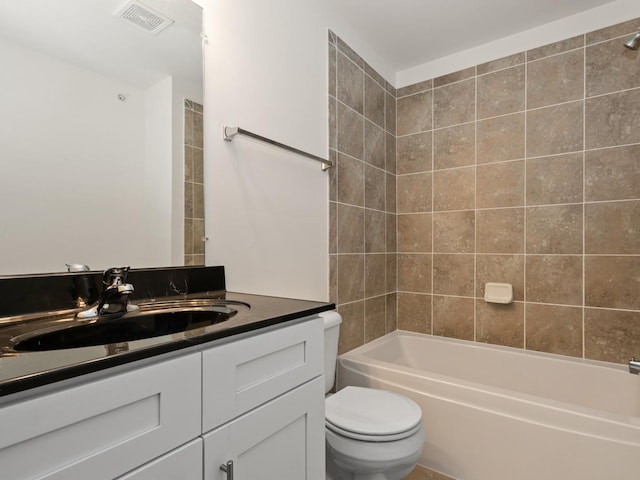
[(386, 208), (502, 254), (526, 160), (334, 133), (337, 176), (584, 146), (475, 208), (364, 222), (395, 174), (433, 161)]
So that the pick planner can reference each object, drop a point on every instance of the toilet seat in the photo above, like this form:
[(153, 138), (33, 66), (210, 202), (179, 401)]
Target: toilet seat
[(372, 415), (371, 438)]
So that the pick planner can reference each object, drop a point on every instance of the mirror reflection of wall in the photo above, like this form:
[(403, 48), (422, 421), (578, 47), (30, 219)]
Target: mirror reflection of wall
[(92, 134), (194, 237)]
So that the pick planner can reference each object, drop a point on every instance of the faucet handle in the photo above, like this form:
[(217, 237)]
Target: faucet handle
[(115, 275)]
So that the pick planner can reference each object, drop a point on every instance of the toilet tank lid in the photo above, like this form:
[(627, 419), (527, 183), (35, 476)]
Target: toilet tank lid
[(371, 412), (331, 318)]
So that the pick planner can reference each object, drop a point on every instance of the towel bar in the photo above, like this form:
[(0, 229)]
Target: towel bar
[(230, 132)]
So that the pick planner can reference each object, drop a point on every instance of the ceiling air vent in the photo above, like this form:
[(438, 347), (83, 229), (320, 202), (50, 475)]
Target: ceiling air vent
[(144, 17)]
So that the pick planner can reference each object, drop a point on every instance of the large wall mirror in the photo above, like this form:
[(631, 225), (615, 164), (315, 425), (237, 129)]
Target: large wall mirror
[(92, 131)]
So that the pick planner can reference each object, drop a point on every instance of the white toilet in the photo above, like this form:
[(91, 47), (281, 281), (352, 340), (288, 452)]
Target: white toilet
[(370, 434)]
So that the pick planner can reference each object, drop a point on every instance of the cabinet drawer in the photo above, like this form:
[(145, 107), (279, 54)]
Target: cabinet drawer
[(103, 428), (241, 375)]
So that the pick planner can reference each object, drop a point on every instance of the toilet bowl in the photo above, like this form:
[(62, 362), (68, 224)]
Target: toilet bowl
[(370, 434)]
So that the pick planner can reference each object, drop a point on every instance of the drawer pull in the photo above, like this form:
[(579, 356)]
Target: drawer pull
[(228, 469)]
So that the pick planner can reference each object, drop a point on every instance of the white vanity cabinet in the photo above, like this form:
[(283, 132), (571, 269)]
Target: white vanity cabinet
[(263, 406), (104, 428), (256, 401), (282, 439)]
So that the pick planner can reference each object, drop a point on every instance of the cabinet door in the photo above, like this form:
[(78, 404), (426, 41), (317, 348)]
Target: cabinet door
[(282, 439), (184, 463), (102, 428), (243, 374)]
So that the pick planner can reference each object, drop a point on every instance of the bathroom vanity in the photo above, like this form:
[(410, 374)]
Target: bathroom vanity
[(242, 399)]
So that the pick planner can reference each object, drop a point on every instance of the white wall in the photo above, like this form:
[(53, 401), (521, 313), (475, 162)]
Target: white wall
[(265, 209), (158, 168), (590, 20), (72, 169)]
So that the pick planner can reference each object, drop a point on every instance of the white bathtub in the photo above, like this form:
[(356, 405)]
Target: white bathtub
[(499, 413)]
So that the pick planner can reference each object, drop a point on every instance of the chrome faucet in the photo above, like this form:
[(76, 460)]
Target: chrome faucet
[(114, 297), (84, 286), (634, 366)]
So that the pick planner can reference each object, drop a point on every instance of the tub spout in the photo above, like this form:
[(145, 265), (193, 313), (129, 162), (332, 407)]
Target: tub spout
[(634, 366)]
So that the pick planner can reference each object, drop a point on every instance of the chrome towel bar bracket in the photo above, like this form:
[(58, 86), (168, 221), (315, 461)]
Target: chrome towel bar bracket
[(230, 132)]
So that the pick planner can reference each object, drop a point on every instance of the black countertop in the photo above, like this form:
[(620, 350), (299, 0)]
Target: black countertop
[(20, 371)]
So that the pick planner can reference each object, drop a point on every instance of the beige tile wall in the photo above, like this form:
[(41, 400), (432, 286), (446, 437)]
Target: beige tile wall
[(362, 246), (523, 170), (193, 184)]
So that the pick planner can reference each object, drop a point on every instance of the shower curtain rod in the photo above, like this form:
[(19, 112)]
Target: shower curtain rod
[(230, 132)]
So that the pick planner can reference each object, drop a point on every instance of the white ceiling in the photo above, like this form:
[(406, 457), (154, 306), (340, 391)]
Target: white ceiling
[(86, 33), (403, 33), (406, 33)]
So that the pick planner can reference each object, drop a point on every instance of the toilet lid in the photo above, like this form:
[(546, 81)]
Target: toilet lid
[(366, 411)]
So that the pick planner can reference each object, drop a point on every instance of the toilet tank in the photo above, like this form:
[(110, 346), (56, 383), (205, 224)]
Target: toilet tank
[(332, 321)]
